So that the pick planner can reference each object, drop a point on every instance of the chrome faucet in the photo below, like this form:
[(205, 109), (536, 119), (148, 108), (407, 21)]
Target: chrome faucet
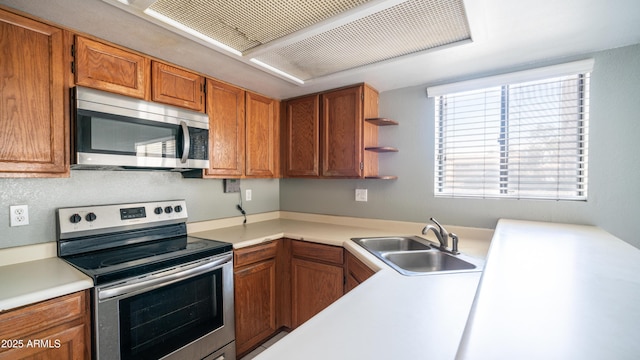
[(443, 236)]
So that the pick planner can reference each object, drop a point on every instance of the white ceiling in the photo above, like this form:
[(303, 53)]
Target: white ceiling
[(506, 34)]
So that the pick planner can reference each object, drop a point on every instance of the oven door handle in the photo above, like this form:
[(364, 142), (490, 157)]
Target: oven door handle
[(162, 279)]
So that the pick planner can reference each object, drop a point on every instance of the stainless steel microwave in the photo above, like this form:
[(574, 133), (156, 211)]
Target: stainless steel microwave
[(115, 132)]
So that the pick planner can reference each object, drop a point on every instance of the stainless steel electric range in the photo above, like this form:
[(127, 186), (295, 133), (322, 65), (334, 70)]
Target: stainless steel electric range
[(159, 294)]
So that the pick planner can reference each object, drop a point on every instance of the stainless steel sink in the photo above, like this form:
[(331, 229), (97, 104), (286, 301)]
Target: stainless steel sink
[(413, 255), (396, 243), (426, 261)]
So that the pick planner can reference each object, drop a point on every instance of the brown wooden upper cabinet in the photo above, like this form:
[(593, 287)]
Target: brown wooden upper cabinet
[(226, 108), (330, 129), (302, 134), (175, 86), (110, 68), (342, 118), (243, 133), (262, 130), (33, 134), (105, 67)]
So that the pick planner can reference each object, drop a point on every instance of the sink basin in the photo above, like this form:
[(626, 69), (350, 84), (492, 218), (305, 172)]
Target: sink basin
[(426, 261), (413, 255), (398, 243)]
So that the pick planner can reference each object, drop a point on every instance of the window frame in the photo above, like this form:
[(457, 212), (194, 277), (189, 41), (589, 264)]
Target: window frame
[(581, 70)]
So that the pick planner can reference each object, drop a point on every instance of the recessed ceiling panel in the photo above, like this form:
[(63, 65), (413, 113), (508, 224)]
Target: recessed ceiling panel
[(409, 27), (243, 25)]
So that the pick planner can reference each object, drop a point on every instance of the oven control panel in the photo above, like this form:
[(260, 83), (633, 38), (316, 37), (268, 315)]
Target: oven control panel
[(108, 218)]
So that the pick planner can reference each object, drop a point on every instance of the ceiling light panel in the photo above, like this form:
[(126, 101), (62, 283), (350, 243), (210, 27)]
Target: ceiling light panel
[(409, 27), (243, 25)]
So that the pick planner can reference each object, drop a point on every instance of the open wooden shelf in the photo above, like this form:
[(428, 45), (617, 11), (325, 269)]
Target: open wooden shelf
[(381, 121), (382, 177), (381, 149)]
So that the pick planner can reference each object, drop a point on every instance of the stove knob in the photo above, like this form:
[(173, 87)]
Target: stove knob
[(177, 208), (90, 217), (168, 209), (75, 218), (158, 210)]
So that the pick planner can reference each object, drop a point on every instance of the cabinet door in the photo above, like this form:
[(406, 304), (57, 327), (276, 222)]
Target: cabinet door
[(342, 133), (261, 136), (302, 145), (108, 68), (32, 110), (174, 86), (257, 293), (356, 271), (62, 343), (61, 324), (226, 109), (255, 304), (314, 286)]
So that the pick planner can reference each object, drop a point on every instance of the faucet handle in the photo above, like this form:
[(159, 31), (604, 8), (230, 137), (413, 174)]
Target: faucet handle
[(443, 232)]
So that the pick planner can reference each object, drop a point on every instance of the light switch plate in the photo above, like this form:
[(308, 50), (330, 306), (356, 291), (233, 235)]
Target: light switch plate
[(361, 194)]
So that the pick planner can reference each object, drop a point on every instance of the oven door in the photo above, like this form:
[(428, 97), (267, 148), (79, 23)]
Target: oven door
[(180, 313)]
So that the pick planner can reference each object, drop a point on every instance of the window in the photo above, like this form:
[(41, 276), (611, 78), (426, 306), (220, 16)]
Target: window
[(524, 136)]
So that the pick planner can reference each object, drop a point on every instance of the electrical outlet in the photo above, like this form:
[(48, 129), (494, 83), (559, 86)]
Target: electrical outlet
[(361, 195), (247, 195), (19, 215), (231, 185)]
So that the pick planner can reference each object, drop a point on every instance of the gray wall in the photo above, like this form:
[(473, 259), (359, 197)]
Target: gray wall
[(205, 198), (614, 164)]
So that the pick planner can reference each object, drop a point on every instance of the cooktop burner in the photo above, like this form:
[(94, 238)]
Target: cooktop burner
[(129, 261), (120, 241)]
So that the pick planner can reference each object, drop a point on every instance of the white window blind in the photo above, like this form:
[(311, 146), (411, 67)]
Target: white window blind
[(525, 140)]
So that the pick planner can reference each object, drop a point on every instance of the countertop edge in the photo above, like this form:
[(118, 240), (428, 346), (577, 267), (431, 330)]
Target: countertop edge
[(48, 278), (583, 304)]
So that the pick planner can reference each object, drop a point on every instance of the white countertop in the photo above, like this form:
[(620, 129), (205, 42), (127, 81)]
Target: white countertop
[(389, 316), (553, 291), (33, 281), (33, 273), (548, 291), (474, 243)]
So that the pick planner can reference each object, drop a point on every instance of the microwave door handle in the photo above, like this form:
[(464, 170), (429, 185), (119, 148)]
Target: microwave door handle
[(186, 142)]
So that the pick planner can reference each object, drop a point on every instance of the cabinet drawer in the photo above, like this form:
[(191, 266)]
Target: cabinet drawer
[(252, 254), (35, 318), (317, 252)]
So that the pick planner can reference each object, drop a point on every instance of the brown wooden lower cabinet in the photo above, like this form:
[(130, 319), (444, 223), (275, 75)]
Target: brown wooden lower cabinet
[(314, 287), (255, 295), (355, 271), (54, 329), (283, 283), (317, 279)]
